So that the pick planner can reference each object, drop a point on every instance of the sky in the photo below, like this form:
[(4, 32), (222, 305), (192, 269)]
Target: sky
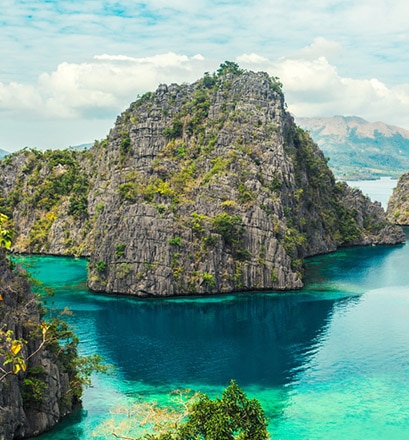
[(69, 67)]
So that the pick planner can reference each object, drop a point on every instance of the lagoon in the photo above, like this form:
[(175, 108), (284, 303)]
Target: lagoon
[(328, 362)]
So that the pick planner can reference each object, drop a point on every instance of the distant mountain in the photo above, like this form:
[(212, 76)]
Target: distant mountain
[(360, 149), (3, 153), (82, 146)]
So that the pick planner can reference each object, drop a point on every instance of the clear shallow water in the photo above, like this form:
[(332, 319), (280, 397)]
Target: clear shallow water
[(330, 362)]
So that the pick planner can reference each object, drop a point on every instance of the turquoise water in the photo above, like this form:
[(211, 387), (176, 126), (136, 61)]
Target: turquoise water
[(329, 362)]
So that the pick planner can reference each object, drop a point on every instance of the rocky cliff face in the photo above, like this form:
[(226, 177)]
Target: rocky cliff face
[(398, 205), (34, 400), (201, 188)]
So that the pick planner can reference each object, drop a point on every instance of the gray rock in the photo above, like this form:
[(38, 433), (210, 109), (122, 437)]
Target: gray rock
[(201, 189), (19, 418), (398, 205)]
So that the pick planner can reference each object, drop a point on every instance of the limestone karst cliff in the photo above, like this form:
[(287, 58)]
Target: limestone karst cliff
[(398, 205), (34, 400), (199, 188)]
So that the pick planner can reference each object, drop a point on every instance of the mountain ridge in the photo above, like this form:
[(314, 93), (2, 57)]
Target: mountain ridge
[(360, 149)]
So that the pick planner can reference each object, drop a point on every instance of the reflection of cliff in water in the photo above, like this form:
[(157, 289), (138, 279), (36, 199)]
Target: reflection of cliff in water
[(251, 338)]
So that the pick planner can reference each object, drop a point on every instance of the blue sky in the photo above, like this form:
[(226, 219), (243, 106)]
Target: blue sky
[(69, 67)]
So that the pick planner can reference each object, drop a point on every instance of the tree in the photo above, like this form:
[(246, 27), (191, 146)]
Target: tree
[(229, 67), (6, 234), (17, 354), (228, 226), (231, 417)]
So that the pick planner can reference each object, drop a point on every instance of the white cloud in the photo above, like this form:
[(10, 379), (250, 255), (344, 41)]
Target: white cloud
[(105, 85), (102, 87), (321, 47), (314, 87), (251, 58), (106, 57), (19, 97)]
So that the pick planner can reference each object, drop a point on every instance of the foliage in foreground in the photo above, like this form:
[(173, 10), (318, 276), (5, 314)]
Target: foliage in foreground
[(231, 417), (22, 357)]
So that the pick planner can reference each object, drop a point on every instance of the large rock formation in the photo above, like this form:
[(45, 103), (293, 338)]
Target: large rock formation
[(398, 205), (34, 400), (201, 188)]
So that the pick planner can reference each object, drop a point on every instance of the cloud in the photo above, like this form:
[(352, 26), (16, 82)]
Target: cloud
[(103, 86), (86, 60), (315, 88), (100, 88), (320, 47)]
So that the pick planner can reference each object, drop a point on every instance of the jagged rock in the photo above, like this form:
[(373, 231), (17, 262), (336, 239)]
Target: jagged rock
[(200, 188), (19, 417), (398, 205)]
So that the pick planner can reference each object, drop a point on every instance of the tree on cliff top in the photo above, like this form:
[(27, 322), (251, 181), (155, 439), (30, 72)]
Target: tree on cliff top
[(229, 67)]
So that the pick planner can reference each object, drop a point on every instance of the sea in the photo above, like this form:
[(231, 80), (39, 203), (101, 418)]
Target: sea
[(330, 361)]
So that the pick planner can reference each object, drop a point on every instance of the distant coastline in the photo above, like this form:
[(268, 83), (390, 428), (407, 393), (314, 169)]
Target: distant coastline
[(377, 189)]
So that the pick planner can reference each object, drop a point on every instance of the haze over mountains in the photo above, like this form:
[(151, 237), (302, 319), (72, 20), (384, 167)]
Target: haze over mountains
[(359, 149), (4, 153)]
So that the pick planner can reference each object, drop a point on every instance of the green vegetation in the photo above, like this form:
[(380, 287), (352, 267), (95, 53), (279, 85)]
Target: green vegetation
[(123, 270), (208, 280), (231, 416), (228, 226), (197, 222), (61, 341), (129, 191), (63, 178), (34, 386), (154, 187), (175, 130), (218, 164), (6, 233), (39, 232), (277, 85), (345, 221), (229, 67), (120, 250), (54, 336), (100, 266), (175, 241), (48, 181), (359, 149)]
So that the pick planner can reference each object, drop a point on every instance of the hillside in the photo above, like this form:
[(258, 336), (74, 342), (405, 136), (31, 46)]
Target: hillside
[(3, 153), (359, 149), (398, 206), (199, 188)]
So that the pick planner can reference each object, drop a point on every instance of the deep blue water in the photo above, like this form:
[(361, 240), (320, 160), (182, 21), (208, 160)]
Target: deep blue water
[(328, 362)]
